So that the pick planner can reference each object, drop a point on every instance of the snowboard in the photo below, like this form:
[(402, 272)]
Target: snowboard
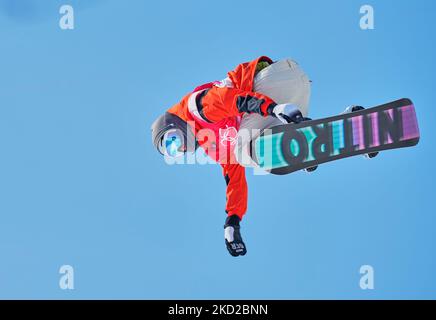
[(287, 148)]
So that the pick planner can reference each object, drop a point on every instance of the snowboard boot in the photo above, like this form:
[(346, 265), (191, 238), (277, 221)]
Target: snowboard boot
[(232, 235), (298, 118), (351, 109)]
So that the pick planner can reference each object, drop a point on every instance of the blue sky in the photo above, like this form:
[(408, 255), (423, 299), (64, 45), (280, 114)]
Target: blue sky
[(81, 184)]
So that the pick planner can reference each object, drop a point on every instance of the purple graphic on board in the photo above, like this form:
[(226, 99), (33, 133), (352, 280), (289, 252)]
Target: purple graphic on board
[(358, 135), (410, 124), (375, 136), (391, 114), (409, 127)]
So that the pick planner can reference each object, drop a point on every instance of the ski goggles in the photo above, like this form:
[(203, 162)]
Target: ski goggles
[(172, 144)]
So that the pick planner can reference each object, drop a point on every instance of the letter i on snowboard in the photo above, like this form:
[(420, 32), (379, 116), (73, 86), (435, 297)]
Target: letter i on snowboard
[(270, 100)]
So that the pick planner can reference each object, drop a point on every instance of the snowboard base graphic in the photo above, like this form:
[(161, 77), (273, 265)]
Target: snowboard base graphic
[(290, 147)]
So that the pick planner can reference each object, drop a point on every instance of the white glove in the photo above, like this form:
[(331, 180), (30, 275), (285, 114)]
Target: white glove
[(287, 113)]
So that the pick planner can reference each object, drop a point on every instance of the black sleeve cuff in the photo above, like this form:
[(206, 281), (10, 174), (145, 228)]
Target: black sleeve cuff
[(269, 110), (232, 220)]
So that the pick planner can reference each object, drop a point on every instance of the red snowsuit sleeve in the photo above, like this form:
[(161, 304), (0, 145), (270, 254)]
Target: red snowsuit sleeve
[(237, 192), (220, 103)]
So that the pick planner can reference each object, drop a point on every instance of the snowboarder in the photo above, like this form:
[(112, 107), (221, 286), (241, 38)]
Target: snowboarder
[(256, 95)]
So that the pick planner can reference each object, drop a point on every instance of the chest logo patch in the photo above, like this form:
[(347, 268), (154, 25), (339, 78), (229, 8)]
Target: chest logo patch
[(229, 134)]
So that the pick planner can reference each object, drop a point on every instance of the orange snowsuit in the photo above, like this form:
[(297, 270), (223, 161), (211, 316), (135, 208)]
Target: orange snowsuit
[(217, 105)]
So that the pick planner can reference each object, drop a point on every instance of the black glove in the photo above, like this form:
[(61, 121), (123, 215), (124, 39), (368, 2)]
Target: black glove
[(232, 236)]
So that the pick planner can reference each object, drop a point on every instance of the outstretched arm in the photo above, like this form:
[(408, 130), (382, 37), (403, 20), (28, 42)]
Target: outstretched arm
[(219, 103), (235, 208), (236, 193)]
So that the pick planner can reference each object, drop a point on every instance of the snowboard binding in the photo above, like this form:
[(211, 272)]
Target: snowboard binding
[(352, 109), (298, 118)]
